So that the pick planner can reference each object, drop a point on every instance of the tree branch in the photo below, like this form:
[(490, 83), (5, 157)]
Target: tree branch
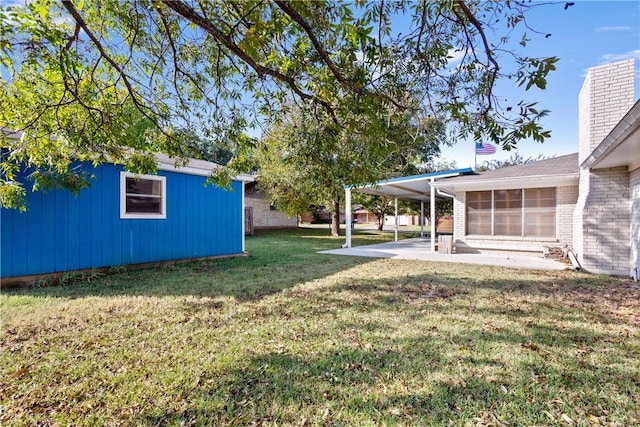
[(478, 25), (286, 8), (103, 53), (190, 14)]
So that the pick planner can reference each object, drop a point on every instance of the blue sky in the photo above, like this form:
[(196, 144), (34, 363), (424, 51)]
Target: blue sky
[(587, 34)]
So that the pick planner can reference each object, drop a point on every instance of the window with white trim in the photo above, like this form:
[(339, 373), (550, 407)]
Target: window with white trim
[(142, 196), (529, 212)]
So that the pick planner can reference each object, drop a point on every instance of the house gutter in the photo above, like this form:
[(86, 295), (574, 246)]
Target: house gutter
[(439, 192)]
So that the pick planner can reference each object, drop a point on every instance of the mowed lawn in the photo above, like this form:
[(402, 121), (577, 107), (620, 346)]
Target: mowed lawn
[(288, 336)]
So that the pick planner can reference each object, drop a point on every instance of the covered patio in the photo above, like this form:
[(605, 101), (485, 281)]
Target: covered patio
[(415, 187), (418, 249)]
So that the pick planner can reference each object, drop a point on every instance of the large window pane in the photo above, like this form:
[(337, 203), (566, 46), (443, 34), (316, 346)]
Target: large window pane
[(507, 213), (144, 205), (540, 212), (144, 186), (479, 212)]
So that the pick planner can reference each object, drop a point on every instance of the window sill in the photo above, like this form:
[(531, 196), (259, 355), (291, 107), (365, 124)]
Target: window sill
[(143, 216), (511, 238)]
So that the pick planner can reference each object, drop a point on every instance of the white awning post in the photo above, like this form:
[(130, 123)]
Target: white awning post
[(347, 220), (433, 216), (395, 199), (421, 218)]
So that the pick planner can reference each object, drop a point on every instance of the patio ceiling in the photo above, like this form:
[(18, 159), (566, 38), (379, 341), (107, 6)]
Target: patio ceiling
[(415, 187)]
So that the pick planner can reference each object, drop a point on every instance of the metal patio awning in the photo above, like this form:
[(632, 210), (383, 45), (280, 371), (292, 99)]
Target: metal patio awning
[(414, 187)]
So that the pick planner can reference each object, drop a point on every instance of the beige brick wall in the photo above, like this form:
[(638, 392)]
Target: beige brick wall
[(634, 193), (578, 214), (603, 244), (566, 198), (602, 218), (459, 218), (264, 217), (606, 96)]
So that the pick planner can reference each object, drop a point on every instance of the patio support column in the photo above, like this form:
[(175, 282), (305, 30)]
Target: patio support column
[(432, 199), (347, 216), (395, 199), (421, 218)]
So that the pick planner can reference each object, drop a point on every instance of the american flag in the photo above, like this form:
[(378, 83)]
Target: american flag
[(485, 148)]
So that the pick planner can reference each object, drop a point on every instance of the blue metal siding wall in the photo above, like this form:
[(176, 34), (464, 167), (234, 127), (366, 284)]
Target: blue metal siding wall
[(63, 232)]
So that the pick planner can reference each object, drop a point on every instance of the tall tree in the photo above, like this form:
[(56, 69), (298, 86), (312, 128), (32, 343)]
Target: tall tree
[(306, 160), (224, 66), (379, 206)]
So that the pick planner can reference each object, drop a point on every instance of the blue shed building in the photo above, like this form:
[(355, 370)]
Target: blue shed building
[(124, 219)]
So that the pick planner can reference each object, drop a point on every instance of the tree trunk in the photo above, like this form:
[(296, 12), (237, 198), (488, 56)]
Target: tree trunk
[(380, 219), (335, 218)]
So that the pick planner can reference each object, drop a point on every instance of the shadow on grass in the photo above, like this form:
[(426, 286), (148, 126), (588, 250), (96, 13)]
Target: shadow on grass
[(570, 295), (443, 376), (404, 381), (285, 388), (277, 260)]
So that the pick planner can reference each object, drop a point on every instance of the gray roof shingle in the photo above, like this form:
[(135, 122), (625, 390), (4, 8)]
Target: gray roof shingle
[(567, 164)]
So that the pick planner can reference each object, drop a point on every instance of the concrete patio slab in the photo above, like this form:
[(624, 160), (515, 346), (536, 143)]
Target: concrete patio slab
[(420, 249)]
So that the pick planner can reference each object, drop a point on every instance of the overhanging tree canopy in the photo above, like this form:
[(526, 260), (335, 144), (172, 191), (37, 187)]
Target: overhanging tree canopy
[(221, 67)]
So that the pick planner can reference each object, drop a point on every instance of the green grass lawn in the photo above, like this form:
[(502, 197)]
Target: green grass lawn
[(288, 336)]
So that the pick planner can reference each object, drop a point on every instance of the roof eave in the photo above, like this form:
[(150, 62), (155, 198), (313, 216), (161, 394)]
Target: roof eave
[(196, 167), (532, 181), (625, 127), (434, 175)]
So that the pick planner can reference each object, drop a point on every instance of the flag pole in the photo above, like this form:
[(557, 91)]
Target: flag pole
[(475, 157)]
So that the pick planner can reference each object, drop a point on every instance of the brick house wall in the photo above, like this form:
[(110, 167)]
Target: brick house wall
[(602, 217), (264, 217), (459, 216), (634, 219), (606, 95), (606, 215), (566, 199)]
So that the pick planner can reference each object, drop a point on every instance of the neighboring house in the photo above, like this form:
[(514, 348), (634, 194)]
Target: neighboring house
[(263, 213), (588, 201), (123, 219), (321, 215)]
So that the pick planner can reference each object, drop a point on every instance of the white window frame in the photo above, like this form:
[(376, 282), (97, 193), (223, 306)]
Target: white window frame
[(523, 212), (123, 197)]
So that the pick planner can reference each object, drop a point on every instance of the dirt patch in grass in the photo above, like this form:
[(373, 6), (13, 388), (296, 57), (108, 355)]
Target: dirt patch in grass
[(411, 293), (606, 296)]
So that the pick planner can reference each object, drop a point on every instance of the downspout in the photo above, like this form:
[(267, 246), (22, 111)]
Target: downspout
[(442, 193), (574, 262)]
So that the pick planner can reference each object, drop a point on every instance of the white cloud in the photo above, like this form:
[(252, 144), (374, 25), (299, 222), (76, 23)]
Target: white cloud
[(613, 28), (613, 57), (455, 55)]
